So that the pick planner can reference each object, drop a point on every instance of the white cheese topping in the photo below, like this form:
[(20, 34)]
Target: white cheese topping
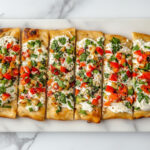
[(86, 106)]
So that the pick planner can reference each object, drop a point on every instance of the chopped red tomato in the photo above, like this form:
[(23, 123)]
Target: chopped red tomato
[(113, 97), (129, 74), (54, 70), (92, 67), (110, 89), (119, 56), (32, 90), (21, 97), (25, 81), (83, 85), (55, 86), (76, 92), (39, 90), (25, 69), (7, 76), (16, 48), (95, 101), (8, 58), (9, 45), (78, 61), (15, 72), (138, 52), (25, 54), (5, 96), (130, 99), (82, 64), (35, 70), (134, 74), (123, 91), (63, 69), (145, 75), (99, 50), (114, 65), (108, 52), (107, 103), (81, 51), (114, 77), (89, 74), (49, 93), (146, 88), (25, 75)]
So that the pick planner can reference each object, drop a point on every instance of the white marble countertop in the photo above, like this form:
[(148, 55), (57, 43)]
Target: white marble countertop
[(44, 9)]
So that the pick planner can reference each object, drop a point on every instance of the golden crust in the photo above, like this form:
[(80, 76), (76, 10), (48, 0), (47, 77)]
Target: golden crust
[(108, 38), (35, 34), (81, 34), (141, 114), (37, 115), (10, 112), (65, 113), (95, 115), (107, 114), (15, 32), (68, 32), (145, 37)]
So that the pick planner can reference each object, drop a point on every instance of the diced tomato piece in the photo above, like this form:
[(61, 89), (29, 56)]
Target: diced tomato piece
[(81, 51), (5, 96), (110, 89), (92, 67), (54, 70), (114, 77), (7, 76), (130, 99), (145, 75), (134, 74), (82, 64), (138, 52), (95, 101), (108, 52), (89, 74), (39, 90), (123, 91), (78, 61), (24, 69), (76, 92), (63, 69), (129, 74), (55, 86), (8, 58), (107, 103), (15, 72), (83, 85), (16, 48), (99, 50), (146, 88), (114, 65), (35, 70), (49, 93), (9, 45), (25, 75), (33, 91), (21, 97), (113, 97), (98, 97), (119, 56), (1, 56), (25, 81), (25, 54)]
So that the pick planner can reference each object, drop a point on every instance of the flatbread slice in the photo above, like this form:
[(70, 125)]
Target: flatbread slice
[(9, 64), (32, 85), (89, 51), (60, 93), (117, 74), (141, 74)]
